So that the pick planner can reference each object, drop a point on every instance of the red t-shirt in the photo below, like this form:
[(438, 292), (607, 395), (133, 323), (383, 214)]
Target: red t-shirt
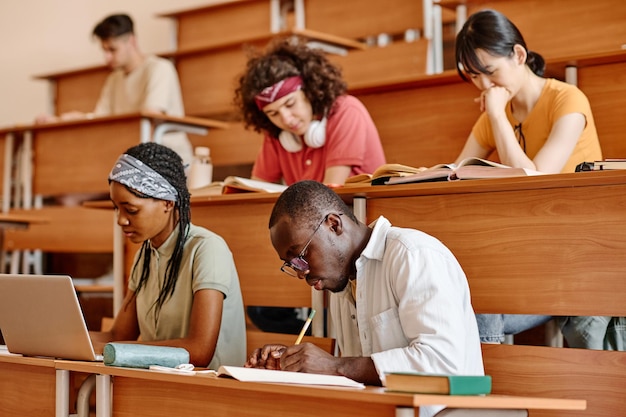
[(351, 139)]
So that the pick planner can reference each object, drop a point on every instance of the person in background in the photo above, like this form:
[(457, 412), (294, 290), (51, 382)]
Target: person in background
[(137, 83), (531, 122), (399, 300), (313, 130), (183, 289)]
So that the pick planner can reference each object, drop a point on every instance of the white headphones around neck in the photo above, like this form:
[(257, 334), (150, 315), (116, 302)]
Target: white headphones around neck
[(314, 137)]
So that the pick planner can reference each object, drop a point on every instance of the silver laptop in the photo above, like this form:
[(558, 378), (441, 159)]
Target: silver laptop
[(40, 316)]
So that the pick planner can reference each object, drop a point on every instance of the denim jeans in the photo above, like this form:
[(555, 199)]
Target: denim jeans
[(594, 332), (493, 327)]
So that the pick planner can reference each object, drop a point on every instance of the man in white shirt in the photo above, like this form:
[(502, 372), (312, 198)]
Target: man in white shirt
[(399, 298)]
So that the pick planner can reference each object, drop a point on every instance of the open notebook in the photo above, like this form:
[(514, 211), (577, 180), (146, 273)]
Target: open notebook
[(40, 316)]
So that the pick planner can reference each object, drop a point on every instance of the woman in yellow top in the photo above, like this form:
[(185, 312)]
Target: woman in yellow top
[(531, 121)]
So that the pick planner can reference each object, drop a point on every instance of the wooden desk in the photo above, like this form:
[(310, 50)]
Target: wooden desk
[(27, 386), (143, 392), (558, 234), (15, 221), (76, 156)]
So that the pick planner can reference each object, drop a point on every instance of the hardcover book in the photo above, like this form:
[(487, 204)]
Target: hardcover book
[(424, 383)]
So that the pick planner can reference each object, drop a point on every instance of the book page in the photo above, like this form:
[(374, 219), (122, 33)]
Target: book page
[(469, 172), (286, 377), (396, 170), (248, 184), (480, 162), (215, 188), (436, 173)]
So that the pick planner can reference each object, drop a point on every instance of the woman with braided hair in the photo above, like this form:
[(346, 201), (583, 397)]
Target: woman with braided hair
[(183, 289)]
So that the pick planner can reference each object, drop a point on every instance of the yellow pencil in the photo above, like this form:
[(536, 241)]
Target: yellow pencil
[(307, 323)]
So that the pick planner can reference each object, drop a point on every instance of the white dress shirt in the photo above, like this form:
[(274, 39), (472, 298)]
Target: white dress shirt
[(413, 308)]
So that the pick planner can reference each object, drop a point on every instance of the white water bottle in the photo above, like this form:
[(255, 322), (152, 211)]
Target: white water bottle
[(201, 171)]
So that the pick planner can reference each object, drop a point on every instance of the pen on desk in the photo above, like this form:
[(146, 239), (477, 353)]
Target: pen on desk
[(307, 323)]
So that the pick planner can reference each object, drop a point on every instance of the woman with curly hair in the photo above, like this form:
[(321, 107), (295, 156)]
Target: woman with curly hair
[(183, 289), (313, 129)]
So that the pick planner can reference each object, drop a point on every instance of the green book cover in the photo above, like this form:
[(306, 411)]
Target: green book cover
[(469, 384), (425, 383)]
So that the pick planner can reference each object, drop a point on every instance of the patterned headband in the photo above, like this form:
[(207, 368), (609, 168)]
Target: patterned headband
[(133, 173), (280, 89)]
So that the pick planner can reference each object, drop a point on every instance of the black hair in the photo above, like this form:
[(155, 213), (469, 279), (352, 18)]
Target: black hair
[(494, 33), (307, 202), (113, 26), (169, 165), (322, 80)]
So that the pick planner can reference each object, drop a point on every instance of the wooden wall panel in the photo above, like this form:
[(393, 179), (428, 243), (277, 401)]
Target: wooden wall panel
[(527, 251), (360, 18), (232, 146), (209, 78), (605, 86), (222, 24), (381, 65), (424, 126), (65, 230), (79, 91), (245, 228), (77, 158), (584, 26)]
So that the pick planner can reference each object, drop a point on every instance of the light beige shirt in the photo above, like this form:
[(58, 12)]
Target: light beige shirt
[(207, 264)]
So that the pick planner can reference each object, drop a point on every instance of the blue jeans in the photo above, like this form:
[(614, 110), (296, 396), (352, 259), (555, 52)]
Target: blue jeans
[(594, 332), (493, 327)]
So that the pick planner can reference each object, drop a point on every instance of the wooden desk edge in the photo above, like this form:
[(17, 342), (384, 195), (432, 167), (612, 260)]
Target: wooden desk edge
[(369, 394), (500, 402), (156, 117), (349, 193), (21, 219), (536, 182), (6, 357)]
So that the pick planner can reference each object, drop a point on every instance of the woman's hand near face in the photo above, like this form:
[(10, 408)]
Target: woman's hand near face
[(493, 100)]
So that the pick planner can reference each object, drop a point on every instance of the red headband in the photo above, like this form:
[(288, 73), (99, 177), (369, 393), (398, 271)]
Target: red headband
[(280, 89)]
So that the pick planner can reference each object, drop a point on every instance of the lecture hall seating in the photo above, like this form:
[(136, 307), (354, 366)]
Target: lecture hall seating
[(424, 119)]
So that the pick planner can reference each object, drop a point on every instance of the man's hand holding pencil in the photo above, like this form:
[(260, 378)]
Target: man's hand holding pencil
[(294, 358)]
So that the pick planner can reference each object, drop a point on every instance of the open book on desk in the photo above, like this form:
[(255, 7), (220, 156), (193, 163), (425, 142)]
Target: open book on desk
[(285, 377), (467, 169), (233, 185), (382, 174)]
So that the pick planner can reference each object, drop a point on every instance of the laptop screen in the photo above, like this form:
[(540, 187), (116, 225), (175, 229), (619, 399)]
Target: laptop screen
[(40, 316)]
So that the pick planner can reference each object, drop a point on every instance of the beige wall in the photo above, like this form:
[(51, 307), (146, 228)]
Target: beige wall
[(40, 37)]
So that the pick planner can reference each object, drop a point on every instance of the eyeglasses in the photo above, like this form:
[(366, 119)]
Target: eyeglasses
[(520, 136), (298, 265)]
